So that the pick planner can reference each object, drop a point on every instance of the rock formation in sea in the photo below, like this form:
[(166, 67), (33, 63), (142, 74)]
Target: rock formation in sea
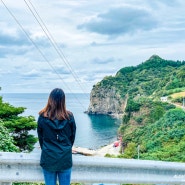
[(106, 101)]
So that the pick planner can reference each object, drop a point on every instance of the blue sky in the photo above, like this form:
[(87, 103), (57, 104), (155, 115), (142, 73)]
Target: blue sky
[(91, 40)]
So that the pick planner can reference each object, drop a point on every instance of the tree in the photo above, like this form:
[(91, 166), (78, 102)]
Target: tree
[(18, 126), (6, 141), (130, 151), (156, 113), (132, 106)]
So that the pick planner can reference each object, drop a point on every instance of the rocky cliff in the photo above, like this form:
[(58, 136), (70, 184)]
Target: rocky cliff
[(106, 101), (153, 78)]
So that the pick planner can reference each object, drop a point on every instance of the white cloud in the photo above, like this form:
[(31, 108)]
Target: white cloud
[(32, 73), (111, 36), (121, 20)]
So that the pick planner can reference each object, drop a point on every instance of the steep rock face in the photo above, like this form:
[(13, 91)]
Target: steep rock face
[(153, 78), (106, 101)]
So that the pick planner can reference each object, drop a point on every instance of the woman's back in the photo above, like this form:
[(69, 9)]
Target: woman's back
[(56, 132)]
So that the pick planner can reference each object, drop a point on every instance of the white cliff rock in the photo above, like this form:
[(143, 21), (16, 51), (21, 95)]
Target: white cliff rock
[(106, 101)]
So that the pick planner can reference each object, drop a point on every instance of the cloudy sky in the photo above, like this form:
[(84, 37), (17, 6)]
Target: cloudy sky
[(73, 44)]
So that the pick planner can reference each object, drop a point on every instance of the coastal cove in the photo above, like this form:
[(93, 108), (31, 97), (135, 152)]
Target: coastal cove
[(93, 131)]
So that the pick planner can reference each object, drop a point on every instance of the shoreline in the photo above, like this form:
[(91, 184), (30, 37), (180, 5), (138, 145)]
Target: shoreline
[(114, 115), (108, 149), (101, 152)]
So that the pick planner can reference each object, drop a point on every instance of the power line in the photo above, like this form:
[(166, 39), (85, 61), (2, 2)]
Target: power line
[(39, 50), (53, 42)]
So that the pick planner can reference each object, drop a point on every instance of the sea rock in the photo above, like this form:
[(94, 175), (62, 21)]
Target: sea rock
[(106, 101)]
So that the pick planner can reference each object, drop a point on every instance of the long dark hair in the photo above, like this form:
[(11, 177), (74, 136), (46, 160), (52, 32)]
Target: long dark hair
[(56, 106)]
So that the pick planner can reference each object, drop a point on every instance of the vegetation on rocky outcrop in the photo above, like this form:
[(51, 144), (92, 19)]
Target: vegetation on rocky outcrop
[(153, 78), (152, 127)]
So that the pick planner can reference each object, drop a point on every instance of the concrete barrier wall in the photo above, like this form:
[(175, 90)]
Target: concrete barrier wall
[(21, 167)]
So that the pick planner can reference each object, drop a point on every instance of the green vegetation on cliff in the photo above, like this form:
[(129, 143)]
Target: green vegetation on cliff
[(157, 127), (156, 77), (163, 139)]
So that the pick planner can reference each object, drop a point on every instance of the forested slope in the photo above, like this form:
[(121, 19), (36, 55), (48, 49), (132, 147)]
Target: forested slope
[(154, 127)]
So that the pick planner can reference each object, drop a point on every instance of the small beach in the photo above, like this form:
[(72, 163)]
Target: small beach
[(108, 149)]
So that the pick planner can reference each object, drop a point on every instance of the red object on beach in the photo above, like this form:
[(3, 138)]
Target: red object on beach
[(116, 143)]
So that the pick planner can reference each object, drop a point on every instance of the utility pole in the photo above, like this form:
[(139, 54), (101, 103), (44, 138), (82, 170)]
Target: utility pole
[(183, 103), (138, 148)]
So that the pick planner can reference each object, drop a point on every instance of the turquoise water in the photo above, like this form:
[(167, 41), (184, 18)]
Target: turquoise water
[(93, 131)]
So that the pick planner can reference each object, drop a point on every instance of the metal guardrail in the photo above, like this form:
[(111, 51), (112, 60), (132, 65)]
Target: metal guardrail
[(22, 167)]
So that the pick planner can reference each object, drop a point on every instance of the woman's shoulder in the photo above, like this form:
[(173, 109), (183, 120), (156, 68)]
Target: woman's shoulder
[(71, 117), (69, 112), (42, 117)]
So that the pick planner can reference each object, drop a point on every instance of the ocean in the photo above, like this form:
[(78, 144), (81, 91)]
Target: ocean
[(93, 131)]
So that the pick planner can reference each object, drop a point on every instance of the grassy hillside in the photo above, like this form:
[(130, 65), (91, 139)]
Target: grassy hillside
[(156, 127), (177, 95), (154, 78)]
